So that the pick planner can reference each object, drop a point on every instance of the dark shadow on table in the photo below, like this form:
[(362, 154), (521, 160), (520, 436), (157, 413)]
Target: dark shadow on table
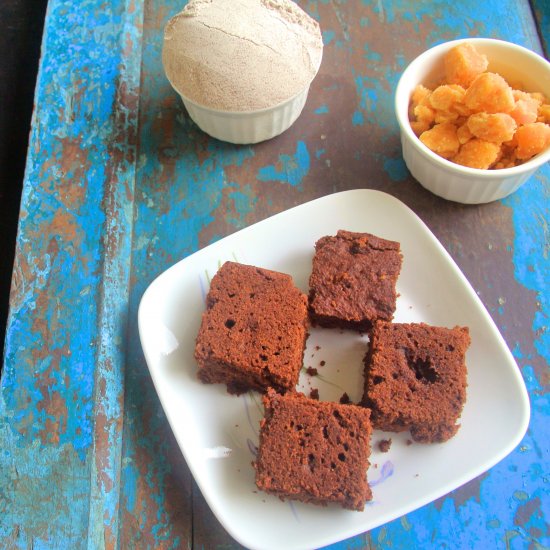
[(21, 24)]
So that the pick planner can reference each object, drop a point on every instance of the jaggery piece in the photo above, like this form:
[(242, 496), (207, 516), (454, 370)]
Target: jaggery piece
[(446, 116), (462, 109), (508, 157), (489, 92), (446, 96), (415, 379), (540, 97), (424, 113), (478, 153), (495, 127), (543, 114), (532, 139), (442, 139), (447, 100), (463, 133), (463, 63), (420, 96), (314, 451), (505, 162), (526, 107), (353, 280), (419, 127), (421, 114), (253, 331)]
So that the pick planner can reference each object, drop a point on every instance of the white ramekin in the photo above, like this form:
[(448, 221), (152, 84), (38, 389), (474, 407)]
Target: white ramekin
[(443, 177), (244, 127)]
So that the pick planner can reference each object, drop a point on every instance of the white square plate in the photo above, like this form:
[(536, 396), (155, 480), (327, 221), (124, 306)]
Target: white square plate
[(218, 433)]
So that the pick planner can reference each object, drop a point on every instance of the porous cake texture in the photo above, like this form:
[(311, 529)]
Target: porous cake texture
[(415, 379), (253, 331), (353, 280), (314, 451)]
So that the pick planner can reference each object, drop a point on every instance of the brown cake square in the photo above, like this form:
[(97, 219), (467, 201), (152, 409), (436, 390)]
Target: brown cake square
[(353, 280), (415, 379), (314, 451), (253, 332)]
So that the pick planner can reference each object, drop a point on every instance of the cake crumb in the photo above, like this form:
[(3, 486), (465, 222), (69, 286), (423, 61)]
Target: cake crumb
[(345, 400), (312, 371), (409, 442), (384, 445), (322, 363), (314, 393)]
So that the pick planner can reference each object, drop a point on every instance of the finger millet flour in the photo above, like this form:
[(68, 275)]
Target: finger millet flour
[(241, 55)]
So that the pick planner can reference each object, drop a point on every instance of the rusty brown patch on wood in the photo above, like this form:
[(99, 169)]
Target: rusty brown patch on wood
[(50, 433), (525, 511), (69, 178), (19, 283), (175, 519), (102, 450), (101, 437), (64, 225), (110, 537), (460, 496), (54, 406), (169, 487)]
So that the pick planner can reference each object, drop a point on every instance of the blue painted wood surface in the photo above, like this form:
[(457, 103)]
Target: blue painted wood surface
[(120, 184)]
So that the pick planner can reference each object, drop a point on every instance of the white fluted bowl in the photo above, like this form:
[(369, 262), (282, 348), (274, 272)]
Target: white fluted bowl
[(247, 127), (443, 177)]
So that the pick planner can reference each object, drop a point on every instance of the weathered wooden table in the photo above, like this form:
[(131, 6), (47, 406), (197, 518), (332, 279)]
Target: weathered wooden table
[(120, 184)]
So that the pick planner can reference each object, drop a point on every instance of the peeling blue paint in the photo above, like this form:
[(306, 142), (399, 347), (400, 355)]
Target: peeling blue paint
[(373, 94), (384, 11), (323, 109), (244, 203), (328, 37), (357, 118), (396, 169), (289, 169), (371, 55), (531, 230)]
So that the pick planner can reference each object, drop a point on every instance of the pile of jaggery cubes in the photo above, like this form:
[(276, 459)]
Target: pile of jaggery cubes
[(475, 118), (253, 336)]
